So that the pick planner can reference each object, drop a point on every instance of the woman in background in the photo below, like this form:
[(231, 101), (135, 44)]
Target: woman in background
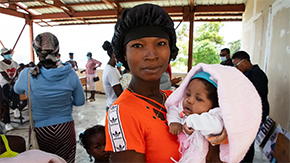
[(54, 90), (91, 73)]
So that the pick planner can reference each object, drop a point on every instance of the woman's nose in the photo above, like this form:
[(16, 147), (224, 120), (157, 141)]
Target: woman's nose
[(151, 54)]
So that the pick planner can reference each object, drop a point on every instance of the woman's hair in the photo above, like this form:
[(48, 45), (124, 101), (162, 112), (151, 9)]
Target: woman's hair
[(86, 136), (212, 92), (148, 17), (45, 45), (107, 46)]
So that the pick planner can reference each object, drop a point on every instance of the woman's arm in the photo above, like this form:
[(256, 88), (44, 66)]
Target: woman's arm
[(127, 156), (78, 93)]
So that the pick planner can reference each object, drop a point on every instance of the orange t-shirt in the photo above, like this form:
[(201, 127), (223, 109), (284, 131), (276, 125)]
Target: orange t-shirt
[(131, 124)]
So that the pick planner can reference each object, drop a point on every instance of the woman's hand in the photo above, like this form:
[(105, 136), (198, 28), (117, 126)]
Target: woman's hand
[(220, 139), (188, 130), (175, 128)]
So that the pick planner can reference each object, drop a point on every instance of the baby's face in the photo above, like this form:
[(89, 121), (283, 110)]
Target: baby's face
[(97, 146), (195, 99)]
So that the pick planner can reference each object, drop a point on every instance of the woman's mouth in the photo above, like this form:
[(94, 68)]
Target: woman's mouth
[(152, 69)]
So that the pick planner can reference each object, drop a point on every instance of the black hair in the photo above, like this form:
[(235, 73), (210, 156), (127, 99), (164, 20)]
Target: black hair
[(86, 136), (140, 16), (107, 46), (226, 49), (241, 55), (212, 92), (71, 53), (57, 54)]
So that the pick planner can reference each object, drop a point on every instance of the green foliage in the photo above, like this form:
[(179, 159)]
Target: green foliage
[(235, 46), (207, 41)]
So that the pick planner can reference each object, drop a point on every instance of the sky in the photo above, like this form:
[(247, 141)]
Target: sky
[(79, 39)]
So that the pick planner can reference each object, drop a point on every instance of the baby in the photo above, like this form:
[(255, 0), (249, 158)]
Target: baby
[(93, 140), (201, 112), (214, 102)]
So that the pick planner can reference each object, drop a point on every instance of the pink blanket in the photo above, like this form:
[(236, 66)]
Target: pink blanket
[(240, 106)]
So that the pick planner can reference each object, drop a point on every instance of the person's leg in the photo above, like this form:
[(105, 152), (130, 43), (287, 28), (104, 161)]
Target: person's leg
[(62, 142), (6, 118), (92, 85)]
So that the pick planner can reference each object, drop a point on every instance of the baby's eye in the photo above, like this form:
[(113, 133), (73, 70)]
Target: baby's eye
[(187, 94), (136, 45), (198, 99), (162, 43)]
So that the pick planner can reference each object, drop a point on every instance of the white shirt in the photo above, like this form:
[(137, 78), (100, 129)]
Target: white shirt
[(111, 77), (9, 69), (208, 123)]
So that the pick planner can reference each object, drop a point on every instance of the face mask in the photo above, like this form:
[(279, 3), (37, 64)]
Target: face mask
[(8, 56), (119, 64), (57, 59), (89, 58), (71, 59), (223, 58)]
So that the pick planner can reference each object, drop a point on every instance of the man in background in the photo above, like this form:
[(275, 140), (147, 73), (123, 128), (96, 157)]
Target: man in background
[(9, 71), (73, 63), (225, 57), (241, 61)]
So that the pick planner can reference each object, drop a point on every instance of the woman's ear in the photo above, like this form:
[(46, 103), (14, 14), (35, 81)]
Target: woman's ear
[(125, 56)]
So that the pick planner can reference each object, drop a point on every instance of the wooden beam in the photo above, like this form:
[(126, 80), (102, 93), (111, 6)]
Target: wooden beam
[(66, 11), (220, 8), (76, 14), (31, 40), (18, 37), (60, 4), (13, 13), (190, 43)]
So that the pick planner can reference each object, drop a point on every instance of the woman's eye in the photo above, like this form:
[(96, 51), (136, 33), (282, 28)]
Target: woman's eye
[(162, 43), (137, 46)]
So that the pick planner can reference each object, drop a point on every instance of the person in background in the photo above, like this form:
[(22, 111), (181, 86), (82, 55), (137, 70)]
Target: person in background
[(59, 62), (242, 62), (136, 127), (54, 90), (91, 72), (94, 141), (9, 71), (10, 145), (111, 77), (73, 63), (225, 57)]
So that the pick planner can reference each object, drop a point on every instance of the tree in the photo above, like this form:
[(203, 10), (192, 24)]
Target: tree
[(235, 46), (207, 41)]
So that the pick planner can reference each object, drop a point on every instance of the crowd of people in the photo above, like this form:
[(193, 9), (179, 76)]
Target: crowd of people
[(146, 120)]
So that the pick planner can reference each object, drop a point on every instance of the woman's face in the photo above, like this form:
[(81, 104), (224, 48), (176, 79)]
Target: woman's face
[(97, 148), (148, 57)]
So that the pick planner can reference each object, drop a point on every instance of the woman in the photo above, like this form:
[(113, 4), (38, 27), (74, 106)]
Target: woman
[(91, 73), (54, 89), (136, 127), (111, 77)]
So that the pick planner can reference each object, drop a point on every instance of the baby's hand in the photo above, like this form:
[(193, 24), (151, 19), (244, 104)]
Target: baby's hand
[(175, 128), (188, 130)]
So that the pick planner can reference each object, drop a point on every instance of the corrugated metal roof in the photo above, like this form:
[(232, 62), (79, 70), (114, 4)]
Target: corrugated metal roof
[(76, 12)]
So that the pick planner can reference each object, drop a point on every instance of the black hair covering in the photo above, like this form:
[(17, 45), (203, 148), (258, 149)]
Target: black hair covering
[(140, 16), (107, 46)]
